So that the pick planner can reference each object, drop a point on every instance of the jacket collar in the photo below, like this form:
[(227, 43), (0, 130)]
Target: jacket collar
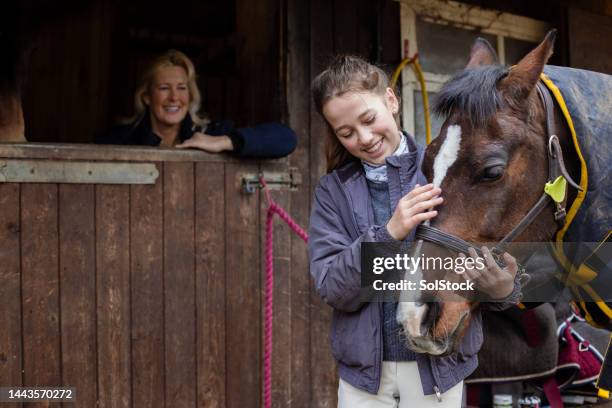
[(405, 159)]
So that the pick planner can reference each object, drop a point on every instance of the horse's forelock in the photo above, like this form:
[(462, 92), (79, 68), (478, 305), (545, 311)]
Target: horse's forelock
[(472, 93)]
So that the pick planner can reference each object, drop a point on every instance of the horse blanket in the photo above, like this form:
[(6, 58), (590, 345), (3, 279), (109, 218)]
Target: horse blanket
[(586, 101), (585, 98)]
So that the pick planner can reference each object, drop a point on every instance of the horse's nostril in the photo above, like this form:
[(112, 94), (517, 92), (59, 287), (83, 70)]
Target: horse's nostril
[(431, 316), (411, 317)]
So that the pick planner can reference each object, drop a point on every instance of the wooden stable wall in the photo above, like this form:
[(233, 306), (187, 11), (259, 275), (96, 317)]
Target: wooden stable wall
[(84, 60), (316, 30), (142, 295)]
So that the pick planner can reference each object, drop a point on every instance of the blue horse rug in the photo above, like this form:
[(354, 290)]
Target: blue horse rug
[(585, 98)]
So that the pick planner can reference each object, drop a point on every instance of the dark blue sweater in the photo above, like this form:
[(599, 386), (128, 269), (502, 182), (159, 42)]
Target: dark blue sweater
[(394, 341)]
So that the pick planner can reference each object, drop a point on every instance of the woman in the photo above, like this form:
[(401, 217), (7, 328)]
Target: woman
[(167, 103), (372, 194)]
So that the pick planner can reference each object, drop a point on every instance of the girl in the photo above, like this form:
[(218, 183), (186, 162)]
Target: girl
[(375, 192)]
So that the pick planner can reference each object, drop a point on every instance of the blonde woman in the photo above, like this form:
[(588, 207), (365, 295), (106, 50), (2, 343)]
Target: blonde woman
[(167, 103)]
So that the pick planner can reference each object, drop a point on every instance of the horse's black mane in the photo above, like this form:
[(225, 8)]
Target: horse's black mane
[(472, 92)]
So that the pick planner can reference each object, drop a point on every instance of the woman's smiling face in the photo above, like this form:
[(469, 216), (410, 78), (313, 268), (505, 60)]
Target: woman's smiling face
[(168, 97), (364, 124)]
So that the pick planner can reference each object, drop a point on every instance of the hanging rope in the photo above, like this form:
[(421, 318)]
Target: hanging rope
[(416, 67), (273, 208)]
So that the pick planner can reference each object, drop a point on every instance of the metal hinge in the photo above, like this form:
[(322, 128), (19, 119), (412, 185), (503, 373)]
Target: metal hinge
[(274, 180), (50, 171)]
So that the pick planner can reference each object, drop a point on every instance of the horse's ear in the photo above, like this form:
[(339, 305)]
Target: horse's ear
[(482, 53), (523, 77)]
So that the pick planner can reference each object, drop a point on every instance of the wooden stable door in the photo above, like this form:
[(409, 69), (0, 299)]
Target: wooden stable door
[(138, 295)]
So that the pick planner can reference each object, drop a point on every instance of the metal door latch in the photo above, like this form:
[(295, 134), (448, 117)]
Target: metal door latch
[(275, 180)]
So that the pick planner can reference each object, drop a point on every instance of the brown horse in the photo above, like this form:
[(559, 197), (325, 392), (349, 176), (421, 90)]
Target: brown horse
[(491, 161)]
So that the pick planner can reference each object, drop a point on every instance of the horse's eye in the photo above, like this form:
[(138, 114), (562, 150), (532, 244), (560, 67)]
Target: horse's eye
[(493, 173)]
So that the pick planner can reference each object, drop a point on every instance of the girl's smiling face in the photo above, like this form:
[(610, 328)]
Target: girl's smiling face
[(364, 124)]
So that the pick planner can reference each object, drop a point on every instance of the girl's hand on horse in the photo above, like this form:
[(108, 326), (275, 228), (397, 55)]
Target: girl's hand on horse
[(208, 143), (496, 282), (412, 209)]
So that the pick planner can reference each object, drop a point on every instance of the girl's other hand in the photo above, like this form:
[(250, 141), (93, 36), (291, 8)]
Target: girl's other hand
[(496, 282), (412, 209), (211, 144)]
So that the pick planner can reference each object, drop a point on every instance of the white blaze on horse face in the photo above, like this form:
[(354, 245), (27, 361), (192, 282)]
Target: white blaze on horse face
[(447, 154), (410, 314)]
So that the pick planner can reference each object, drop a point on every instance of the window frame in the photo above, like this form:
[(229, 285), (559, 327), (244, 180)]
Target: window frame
[(500, 24)]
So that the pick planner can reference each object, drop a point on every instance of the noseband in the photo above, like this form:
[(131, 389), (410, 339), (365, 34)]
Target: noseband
[(554, 190)]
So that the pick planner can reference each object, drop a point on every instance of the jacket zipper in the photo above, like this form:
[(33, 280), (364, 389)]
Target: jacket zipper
[(438, 393), (434, 374)]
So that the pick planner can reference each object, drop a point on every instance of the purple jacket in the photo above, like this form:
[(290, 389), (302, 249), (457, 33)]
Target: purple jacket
[(342, 217)]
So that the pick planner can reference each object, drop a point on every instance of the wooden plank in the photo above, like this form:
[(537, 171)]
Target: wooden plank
[(38, 88), (257, 30), (146, 247), (323, 366), (321, 52), (211, 285), (281, 334), (346, 27), (324, 384), (78, 294), (113, 295), (590, 35), (179, 285), (74, 77), (102, 48), (367, 12), (298, 103), (67, 151), (10, 287), (391, 34), (49, 171), (243, 301), (40, 286)]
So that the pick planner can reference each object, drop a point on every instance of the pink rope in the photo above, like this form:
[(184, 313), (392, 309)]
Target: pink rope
[(273, 208)]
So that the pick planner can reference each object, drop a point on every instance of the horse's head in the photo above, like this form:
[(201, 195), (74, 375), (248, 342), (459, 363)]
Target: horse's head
[(490, 160)]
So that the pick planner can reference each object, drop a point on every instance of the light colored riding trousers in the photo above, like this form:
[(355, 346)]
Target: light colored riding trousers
[(400, 387)]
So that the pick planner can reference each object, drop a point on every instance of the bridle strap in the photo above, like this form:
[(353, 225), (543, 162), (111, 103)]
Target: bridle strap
[(553, 153), (436, 236), (524, 223), (550, 129)]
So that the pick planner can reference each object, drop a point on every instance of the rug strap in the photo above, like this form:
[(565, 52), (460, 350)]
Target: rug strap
[(553, 395)]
